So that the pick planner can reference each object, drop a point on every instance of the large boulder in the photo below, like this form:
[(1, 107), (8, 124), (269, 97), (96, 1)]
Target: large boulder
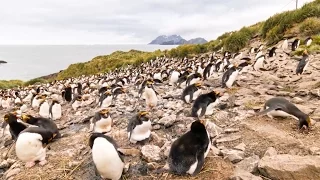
[(290, 167)]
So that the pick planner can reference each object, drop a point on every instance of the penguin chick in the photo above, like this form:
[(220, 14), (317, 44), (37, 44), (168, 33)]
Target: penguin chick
[(45, 123), (15, 126), (139, 127), (101, 122), (107, 159), (303, 63), (31, 145), (191, 92), (188, 152), (205, 104), (281, 107)]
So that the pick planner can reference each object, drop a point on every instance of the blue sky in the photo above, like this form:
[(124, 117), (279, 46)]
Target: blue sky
[(128, 21)]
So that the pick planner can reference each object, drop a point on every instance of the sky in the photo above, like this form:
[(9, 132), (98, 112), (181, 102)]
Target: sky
[(128, 21)]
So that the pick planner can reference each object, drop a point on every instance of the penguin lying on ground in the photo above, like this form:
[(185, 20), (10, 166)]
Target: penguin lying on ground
[(281, 107), (31, 145), (107, 159), (205, 103), (191, 92), (139, 127), (188, 152), (101, 122), (15, 126)]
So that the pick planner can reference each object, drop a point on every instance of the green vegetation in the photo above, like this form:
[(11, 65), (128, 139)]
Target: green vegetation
[(310, 26), (10, 84)]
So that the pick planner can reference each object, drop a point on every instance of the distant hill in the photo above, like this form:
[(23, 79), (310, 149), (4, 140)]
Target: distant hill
[(176, 40)]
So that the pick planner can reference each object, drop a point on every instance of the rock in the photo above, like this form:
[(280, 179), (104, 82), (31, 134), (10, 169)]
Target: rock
[(297, 100), (249, 164), (129, 151), (233, 155), (160, 113), (168, 121), (213, 129), (156, 127), (228, 138), (240, 174), (231, 130), (130, 109), (241, 147), (12, 172), (295, 79), (4, 164), (314, 151), (151, 153), (293, 167), (271, 151), (216, 151)]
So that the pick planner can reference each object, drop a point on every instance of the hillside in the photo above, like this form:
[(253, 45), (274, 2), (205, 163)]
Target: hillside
[(176, 40)]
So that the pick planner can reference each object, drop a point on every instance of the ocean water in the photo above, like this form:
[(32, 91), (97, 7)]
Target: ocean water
[(30, 61)]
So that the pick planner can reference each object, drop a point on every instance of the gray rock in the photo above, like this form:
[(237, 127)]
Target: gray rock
[(249, 164), (168, 121), (297, 100), (228, 138), (4, 164), (239, 174), (271, 151), (241, 147), (231, 130), (216, 151), (213, 129), (233, 155), (293, 167), (151, 153)]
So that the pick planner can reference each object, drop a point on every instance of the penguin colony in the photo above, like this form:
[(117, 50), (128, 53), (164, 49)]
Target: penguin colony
[(32, 134)]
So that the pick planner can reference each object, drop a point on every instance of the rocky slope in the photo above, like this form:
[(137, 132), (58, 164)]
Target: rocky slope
[(246, 146)]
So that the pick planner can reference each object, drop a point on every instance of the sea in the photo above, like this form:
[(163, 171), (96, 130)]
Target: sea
[(25, 62)]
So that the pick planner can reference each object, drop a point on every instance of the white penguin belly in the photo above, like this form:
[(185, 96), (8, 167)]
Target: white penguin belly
[(103, 125), (174, 78), (187, 98), (141, 132), (35, 103), (56, 111), (305, 67), (44, 110), (106, 159), (279, 113), (232, 79), (106, 102), (151, 97), (157, 76), (76, 105), (193, 167), (194, 80), (29, 147), (196, 94), (259, 64), (210, 107)]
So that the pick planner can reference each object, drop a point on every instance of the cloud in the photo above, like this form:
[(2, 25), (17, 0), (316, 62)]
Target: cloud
[(127, 21)]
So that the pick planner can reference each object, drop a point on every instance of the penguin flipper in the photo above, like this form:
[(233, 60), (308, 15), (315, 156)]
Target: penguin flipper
[(263, 112), (200, 164), (203, 111)]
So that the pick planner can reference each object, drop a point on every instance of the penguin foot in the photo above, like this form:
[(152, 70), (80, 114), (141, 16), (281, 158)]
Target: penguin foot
[(42, 163), (30, 164)]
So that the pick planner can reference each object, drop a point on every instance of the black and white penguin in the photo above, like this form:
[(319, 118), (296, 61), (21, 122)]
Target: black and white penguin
[(36, 101), (107, 159), (191, 92), (174, 77), (244, 67), (272, 52), (193, 78), (281, 107), (208, 71), (55, 111), (43, 123), (139, 127), (117, 91), (15, 127), (44, 109), (150, 95), (67, 95), (31, 145), (101, 122), (205, 103), (188, 152), (285, 44), (229, 77), (308, 41), (259, 63), (105, 99), (295, 44), (77, 103), (303, 63)]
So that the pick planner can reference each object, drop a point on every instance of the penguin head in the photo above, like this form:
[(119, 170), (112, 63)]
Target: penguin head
[(198, 126), (215, 94), (143, 116), (26, 117), (104, 112), (79, 98), (305, 52), (9, 118)]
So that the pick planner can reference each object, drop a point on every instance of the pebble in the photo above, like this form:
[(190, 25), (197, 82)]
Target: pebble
[(241, 147), (151, 153)]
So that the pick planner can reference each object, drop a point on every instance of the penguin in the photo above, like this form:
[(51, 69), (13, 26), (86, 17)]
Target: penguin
[(191, 92), (117, 91), (101, 122), (259, 63), (285, 44), (31, 145), (105, 99), (22, 108), (174, 77), (77, 103), (303, 63), (188, 152), (55, 111), (229, 77), (295, 44), (67, 95), (150, 95), (308, 41), (43, 123), (139, 127), (272, 52), (193, 78), (107, 159), (205, 103), (44, 108), (208, 70), (15, 127), (244, 67), (36, 101), (281, 107)]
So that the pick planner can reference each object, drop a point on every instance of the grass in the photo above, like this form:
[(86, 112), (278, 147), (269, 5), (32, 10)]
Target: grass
[(18, 83)]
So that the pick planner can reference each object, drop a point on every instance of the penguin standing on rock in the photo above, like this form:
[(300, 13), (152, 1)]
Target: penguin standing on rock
[(193, 78), (259, 63), (308, 41), (139, 127), (229, 77), (272, 52), (77, 103), (101, 122), (188, 152), (191, 92), (105, 99), (67, 94), (281, 107), (303, 63), (150, 95), (44, 108), (107, 159), (55, 111), (31, 145), (205, 103), (295, 44)]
